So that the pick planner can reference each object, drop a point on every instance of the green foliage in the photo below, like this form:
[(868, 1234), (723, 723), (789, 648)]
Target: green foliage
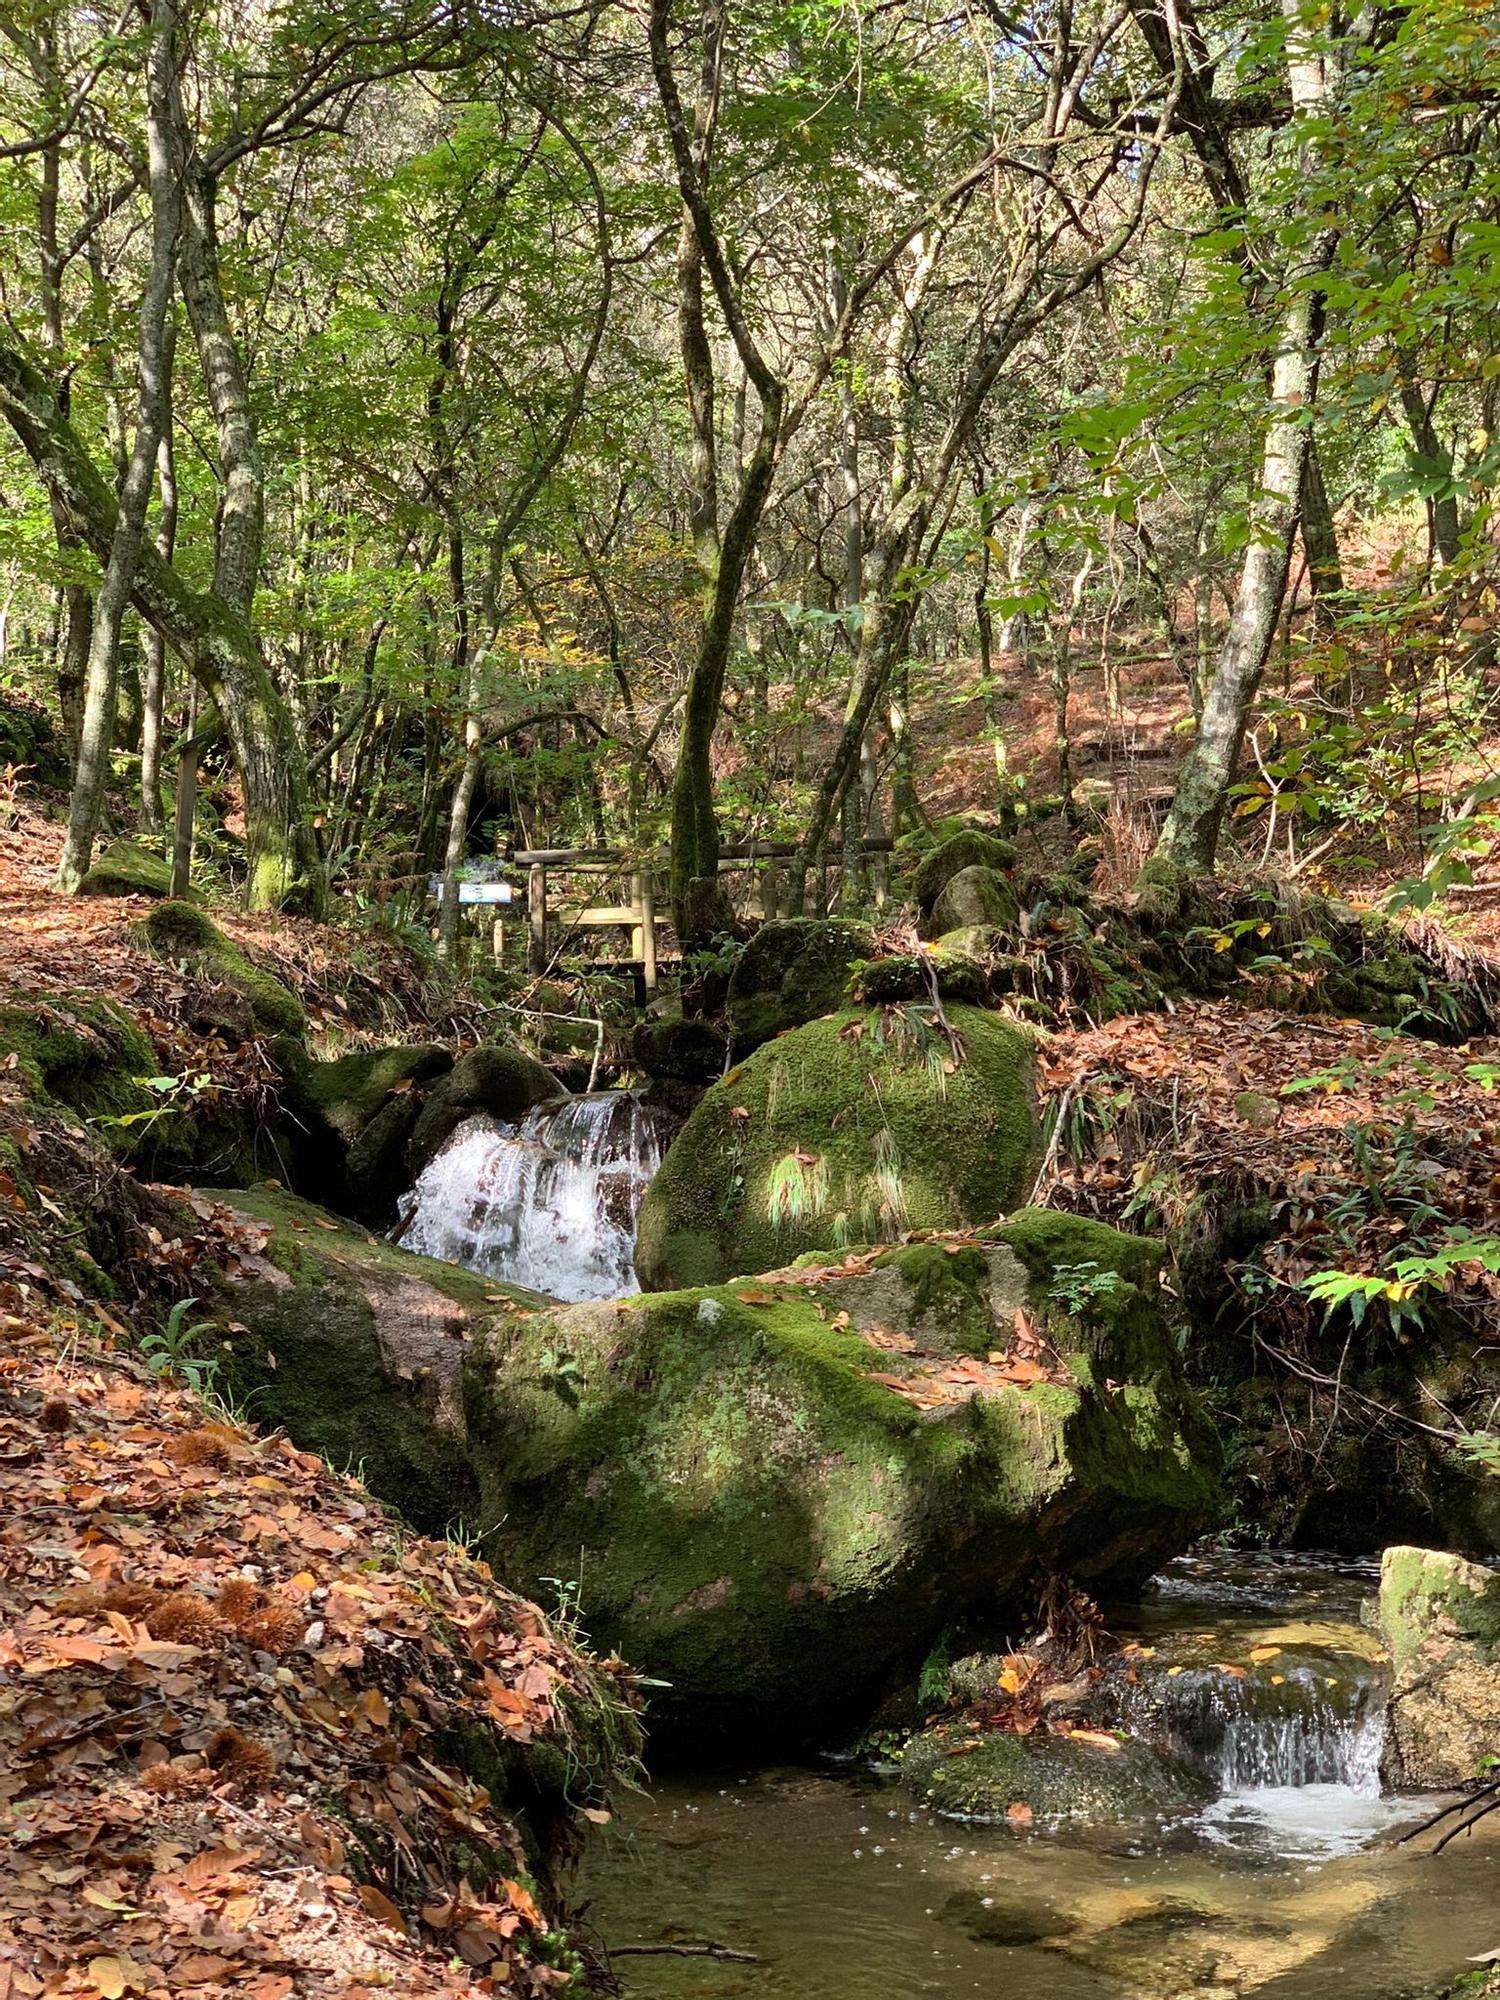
[(177, 1349)]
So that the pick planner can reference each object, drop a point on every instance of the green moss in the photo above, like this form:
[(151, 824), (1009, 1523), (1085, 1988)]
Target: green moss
[(757, 1518), (188, 936), (1429, 1593), (974, 897), (968, 848), (792, 971), (350, 1090), (848, 1130), (1058, 1778), (84, 1054), (127, 869)]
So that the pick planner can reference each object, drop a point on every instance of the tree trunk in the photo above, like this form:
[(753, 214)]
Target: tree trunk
[(1190, 836), (154, 680), (1320, 541), (211, 635), (96, 738), (1442, 514)]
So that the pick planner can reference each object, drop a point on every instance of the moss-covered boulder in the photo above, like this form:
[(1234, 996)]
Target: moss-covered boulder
[(84, 1054), (848, 1130), (909, 975), (974, 896), (181, 932), (125, 868), (969, 848), (355, 1348), (793, 970), (1095, 1777), (678, 1050), (775, 1495), (1440, 1617), (354, 1119), (494, 1079)]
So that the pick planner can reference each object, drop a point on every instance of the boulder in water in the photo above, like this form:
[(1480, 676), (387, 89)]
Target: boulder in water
[(1440, 1617), (499, 1081), (849, 1130), (776, 1512), (793, 970), (1095, 1778), (354, 1117)]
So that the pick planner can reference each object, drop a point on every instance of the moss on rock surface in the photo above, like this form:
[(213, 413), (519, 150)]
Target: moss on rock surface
[(1056, 1777), (848, 1130), (183, 933), (127, 869), (974, 897), (1440, 1617), (502, 1081), (793, 970), (355, 1349), (756, 1516), (970, 848), (679, 1050)]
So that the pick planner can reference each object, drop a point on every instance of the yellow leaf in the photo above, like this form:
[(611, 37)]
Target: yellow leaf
[(109, 1976), (1174, 1670), (1010, 1681), (1260, 1654)]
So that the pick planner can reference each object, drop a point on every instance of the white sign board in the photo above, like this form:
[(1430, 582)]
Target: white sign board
[(485, 892)]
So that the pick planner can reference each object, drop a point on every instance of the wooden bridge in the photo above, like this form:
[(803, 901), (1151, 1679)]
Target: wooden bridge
[(553, 918)]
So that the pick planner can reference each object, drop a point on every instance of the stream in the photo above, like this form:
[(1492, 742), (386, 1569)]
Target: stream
[(834, 1883), (1290, 1885)]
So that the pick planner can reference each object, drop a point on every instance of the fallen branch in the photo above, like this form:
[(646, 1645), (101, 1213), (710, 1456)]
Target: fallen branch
[(707, 1950)]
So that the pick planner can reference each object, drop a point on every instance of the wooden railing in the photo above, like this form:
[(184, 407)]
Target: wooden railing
[(638, 916)]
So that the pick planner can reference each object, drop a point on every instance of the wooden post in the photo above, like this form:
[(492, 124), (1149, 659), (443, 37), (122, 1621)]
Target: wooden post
[(187, 796), (536, 911), (497, 941), (645, 900)]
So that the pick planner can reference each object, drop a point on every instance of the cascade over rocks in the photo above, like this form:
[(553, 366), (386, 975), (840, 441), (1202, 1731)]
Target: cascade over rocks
[(775, 1495), (851, 1129)]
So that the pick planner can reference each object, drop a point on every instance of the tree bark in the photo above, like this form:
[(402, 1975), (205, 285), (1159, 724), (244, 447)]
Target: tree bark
[(1189, 837), (1442, 515), (96, 738), (214, 638), (1320, 541), (154, 680)]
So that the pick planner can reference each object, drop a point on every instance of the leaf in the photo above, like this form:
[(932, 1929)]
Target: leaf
[(380, 1905), (109, 1976), (1020, 1814)]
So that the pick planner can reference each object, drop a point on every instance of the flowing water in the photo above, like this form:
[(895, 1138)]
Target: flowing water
[(1290, 1886), (549, 1202)]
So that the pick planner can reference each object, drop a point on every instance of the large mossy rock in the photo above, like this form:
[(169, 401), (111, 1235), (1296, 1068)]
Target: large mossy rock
[(793, 970), (355, 1118), (185, 934), (1440, 1618), (970, 848), (776, 1495), (125, 868), (768, 1501), (974, 896), (495, 1080), (355, 1348), (851, 1129), (1056, 1778)]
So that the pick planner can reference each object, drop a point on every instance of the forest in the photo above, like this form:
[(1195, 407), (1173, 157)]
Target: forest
[(749, 999)]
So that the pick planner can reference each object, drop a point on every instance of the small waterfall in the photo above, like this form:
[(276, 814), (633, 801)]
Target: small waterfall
[(550, 1202), (1318, 1721)]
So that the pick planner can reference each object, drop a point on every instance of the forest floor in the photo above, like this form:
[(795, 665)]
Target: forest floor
[(226, 1667)]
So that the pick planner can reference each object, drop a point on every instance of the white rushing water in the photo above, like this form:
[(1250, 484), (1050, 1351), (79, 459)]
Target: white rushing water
[(550, 1202)]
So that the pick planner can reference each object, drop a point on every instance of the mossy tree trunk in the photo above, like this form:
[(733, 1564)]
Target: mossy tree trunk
[(96, 736), (211, 635)]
